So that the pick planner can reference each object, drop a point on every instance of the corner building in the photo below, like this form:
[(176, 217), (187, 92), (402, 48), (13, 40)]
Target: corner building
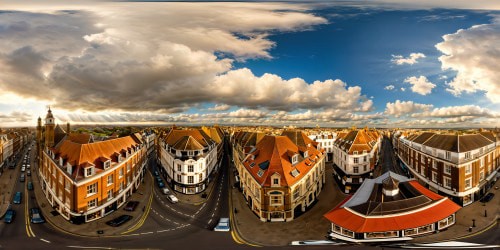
[(85, 180)]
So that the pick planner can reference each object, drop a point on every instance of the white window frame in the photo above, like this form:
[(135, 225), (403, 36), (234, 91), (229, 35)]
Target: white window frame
[(470, 183), (446, 181), (92, 189), (110, 177), (468, 169)]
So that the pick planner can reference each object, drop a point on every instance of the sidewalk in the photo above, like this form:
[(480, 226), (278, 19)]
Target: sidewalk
[(7, 183), (464, 219), (90, 229), (309, 226), (197, 199)]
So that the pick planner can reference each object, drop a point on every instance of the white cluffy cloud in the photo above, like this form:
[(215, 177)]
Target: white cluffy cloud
[(459, 111), (474, 54), (400, 108), (420, 84), (389, 87), (220, 107), (412, 59)]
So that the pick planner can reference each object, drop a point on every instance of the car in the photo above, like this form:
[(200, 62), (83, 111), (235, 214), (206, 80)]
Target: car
[(161, 184), (165, 190), (9, 216), (30, 185), (28, 166), (18, 198), (172, 198), (28, 173), (222, 225), (23, 168), (131, 205), (158, 179), (36, 216), (119, 220), (487, 197), (22, 178), (156, 173)]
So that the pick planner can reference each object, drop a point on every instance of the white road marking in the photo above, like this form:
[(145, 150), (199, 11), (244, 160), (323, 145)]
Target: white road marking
[(91, 247), (44, 240), (147, 233)]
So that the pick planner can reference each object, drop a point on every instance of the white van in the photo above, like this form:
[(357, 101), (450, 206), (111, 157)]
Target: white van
[(166, 190)]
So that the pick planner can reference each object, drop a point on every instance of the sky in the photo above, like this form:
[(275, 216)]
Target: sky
[(320, 63)]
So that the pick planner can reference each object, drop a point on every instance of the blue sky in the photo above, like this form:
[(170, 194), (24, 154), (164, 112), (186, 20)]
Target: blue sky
[(335, 64)]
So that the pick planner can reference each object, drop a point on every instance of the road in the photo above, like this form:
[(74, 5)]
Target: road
[(387, 160), (168, 226)]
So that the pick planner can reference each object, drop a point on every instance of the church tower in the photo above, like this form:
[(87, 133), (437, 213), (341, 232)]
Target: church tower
[(68, 128), (49, 129)]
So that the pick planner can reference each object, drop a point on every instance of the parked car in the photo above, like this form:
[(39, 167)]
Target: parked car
[(156, 173), (28, 173), (165, 190), (36, 216), (131, 205), (22, 178), (172, 198), (222, 225), (9, 216), (487, 197), (23, 168), (28, 166), (18, 198), (161, 184), (119, 220), (30, 185)]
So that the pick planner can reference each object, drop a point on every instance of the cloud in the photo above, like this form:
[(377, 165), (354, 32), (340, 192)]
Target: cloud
[(412, 59), (111, 56), (420, 85), (220, 107), (475, 55), (400, 108), (15, 117), (459, 111), (403, 89), (389, 87)]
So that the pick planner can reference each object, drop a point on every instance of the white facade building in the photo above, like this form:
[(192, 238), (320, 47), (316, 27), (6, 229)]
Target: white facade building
[(325, 141), (188, 157)]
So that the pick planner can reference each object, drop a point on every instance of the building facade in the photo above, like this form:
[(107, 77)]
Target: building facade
[(87, 181), (462, 167), (325, 141), (188, 158), (355, 154), (279, 179)]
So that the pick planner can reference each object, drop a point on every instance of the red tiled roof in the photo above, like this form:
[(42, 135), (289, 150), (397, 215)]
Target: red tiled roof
[(441, 208)]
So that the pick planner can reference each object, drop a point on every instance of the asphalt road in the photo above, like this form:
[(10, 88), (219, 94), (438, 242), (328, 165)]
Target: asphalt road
[(388, 160), (168, 226)]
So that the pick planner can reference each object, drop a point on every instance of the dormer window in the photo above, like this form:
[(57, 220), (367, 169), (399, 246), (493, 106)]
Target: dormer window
[(306, 154), (107, 164), (276, 181), (120, 158), (190, 153), (60, 161), (355, 152), (69, 169), (89, 171), (295, 159)]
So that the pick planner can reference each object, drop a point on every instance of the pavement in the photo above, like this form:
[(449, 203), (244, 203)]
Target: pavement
[(309, 226), (197, 199), (464, 217), (7, 183), (143, 194)]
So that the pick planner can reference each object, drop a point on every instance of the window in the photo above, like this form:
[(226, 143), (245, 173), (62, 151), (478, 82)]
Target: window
[(306, 154), (128, 166), (88, 171), (355, 169), (468, 169), (121, 187), (179, 167), (468, 183), (434, 176), (179, 178), (92, 203), (260, 173), (447, 182), (61, 178), (447, 169), (467, 155), (422, 158), (190, 153), (482, 162), (296, 193), (120, 173), (110, 179), (276, 199), (92, 189), (110, 194), (107, 164), (355, 152), (190, 179), (481, 175), (276, 181), (448, 155), (364, 158), (200, 177), (67, 185), (365, 168), (434, 165), (356, 160), (190, 168), (295, 159)]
